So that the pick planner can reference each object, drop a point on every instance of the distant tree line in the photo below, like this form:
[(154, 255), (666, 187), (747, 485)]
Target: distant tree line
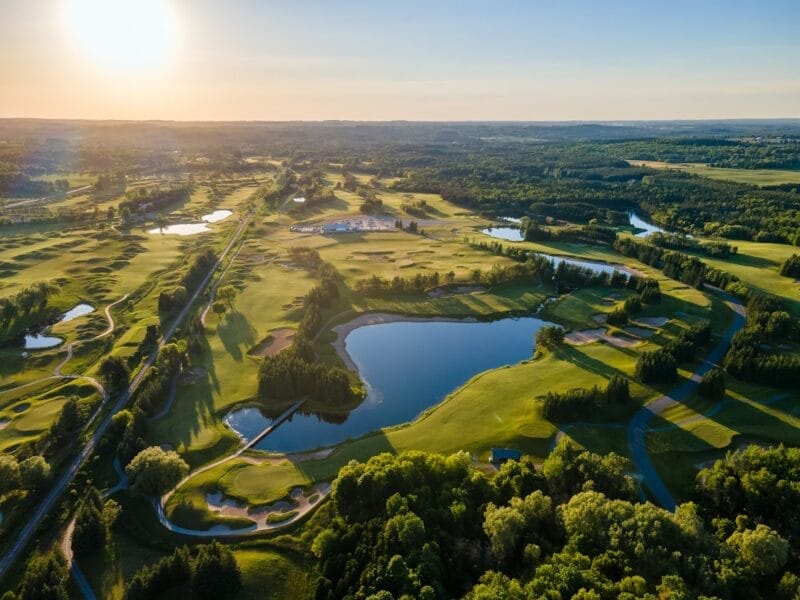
[(15, 184)]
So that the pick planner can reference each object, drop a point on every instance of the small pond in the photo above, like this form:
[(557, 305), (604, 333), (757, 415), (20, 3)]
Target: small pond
[(510, 234), (77, 311), (40, 341), (193, 228), (407, 367), (640, 223), (217, 215)]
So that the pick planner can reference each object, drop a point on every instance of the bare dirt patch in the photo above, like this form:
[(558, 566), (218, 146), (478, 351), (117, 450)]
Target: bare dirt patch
[(277, 340)]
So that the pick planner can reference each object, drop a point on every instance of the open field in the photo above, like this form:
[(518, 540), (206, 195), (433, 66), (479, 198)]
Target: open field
[(758, 177)]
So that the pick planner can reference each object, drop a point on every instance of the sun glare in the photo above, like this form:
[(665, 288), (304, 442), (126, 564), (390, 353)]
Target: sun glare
[(123, 35)]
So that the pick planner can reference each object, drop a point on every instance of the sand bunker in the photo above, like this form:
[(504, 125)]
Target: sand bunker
[(653, 321), (600, 317), (275, 515), (277, 340), (587, 336), (639, 332), (4, 421)]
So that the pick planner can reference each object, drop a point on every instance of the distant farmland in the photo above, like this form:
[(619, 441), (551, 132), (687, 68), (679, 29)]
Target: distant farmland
[(749, 176)]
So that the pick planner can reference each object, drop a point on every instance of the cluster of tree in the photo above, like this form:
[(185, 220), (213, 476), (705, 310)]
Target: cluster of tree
[(675, 265), (311, 185), (289, 375), (174, 299), (577, 212), (412, 227), (205, 572), (586, 403), (70, 420), (762, 483), (681, 242), (108, 184), (416, 208), (586, 234), (31, 474), (131, 426), (378, 286), (93, 520), (143, 200), (661, 366), (427, 526), (712, 386), (791, 267), (46, 577), (114, 371), (27, 308), (372, 205), (751, 357), (154, 471), (294, 373), (549, 337)]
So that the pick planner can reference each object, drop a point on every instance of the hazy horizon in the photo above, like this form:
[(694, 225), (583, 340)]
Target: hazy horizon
[(471, 61)]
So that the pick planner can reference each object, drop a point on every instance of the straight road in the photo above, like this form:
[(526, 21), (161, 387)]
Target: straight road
[(49, 501)]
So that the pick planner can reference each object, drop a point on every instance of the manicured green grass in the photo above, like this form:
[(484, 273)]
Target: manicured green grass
[(749, 176), (32, 414), (267, 575), (269, 300)]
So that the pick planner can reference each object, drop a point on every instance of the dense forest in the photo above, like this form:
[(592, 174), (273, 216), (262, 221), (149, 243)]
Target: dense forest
[(427, 526)]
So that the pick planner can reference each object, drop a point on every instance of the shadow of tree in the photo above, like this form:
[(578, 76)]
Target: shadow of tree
[(236, 334)]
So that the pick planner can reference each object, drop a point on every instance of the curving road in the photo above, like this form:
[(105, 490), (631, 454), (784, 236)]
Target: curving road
[(60, 485), (638, 426)]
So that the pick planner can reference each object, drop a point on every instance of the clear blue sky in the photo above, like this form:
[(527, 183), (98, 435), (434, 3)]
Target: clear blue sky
[(440, 59)]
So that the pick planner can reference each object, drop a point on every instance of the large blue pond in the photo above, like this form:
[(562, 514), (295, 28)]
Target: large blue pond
[(407, 367)]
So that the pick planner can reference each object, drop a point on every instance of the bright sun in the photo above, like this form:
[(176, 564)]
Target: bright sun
[(123, 35)]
